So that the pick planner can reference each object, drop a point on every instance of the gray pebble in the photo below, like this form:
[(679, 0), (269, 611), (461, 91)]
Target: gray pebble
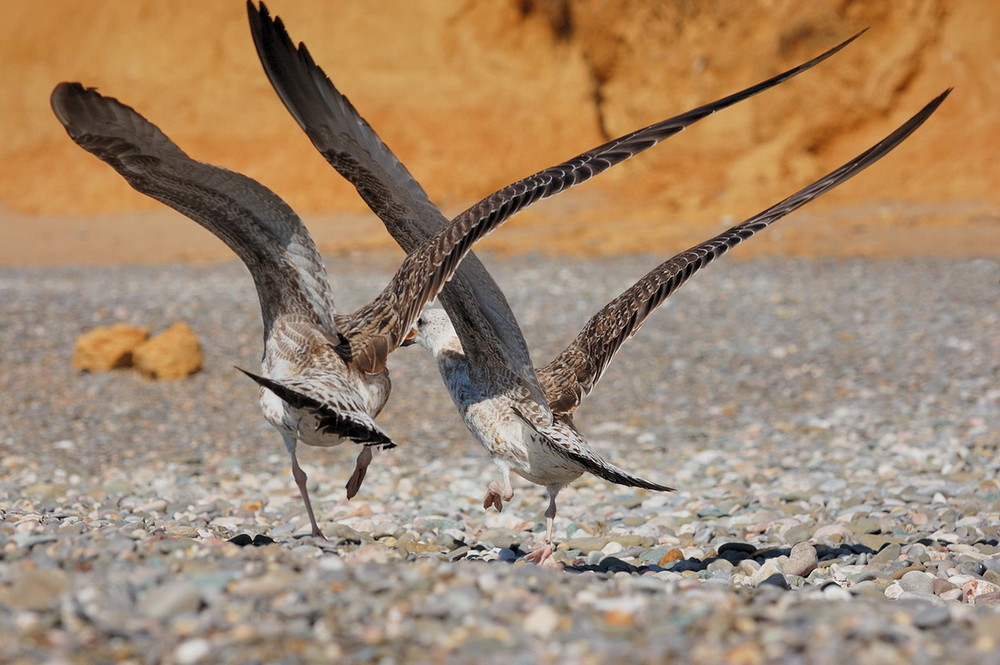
[(863, 576), (170, 599), (887, 554), (834, 591), (931, 616), (916, 581), (720, 565), (589, 544)]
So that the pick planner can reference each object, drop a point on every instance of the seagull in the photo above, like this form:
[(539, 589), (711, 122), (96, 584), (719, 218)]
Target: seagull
[(323, 376), (493, 350), (557, 455)]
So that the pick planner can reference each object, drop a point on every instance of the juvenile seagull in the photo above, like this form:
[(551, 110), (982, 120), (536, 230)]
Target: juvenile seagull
[(487, 332), (323, 376), (556, 455)]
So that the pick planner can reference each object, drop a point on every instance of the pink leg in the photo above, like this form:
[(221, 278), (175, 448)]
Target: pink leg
[(498, 492), (300, 479), (360, 471), (543, 554)]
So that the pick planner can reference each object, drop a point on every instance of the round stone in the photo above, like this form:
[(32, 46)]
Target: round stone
[(916, 581)]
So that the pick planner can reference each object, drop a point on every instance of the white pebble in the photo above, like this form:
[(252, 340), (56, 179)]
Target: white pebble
[(541, 621), (192, 651), (893, 591)]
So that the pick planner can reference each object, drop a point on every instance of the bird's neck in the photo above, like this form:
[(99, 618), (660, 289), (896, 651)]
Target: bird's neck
[(448, 353), (447, 346)]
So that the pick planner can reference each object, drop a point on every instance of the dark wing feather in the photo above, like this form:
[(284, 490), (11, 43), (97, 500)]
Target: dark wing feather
[(253, 221), (328, 419), (608, 471), (479, 310), (340, 134), (563, 439), (574, 373)]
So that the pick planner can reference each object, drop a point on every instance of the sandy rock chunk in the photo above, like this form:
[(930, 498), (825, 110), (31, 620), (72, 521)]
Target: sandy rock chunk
[(802, 560), (173, 354), (105, 348)]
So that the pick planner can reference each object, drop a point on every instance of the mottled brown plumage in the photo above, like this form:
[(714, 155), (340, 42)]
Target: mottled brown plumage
[(555, 455), (329, 368)]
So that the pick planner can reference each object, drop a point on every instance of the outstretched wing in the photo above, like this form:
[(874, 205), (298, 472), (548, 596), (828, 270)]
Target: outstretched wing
[(386, 321), (575, 371), (251, 219), (476, 305)]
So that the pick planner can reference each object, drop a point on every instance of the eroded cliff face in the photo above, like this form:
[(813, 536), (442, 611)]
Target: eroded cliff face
[(472, 95)]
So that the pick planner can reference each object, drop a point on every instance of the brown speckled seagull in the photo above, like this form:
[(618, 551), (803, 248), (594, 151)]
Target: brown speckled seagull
[(554, 456), (487, 345), (476, 362), (323, 378)]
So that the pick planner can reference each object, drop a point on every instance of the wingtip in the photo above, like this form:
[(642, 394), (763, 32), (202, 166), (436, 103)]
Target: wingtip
[(257, 17), (933, 105), (63, 97), (259, 10), (249, 374), (61, 92), (67, 85), (267, 31), (656, 487), (842, 45), (261, 21), (68, 89)]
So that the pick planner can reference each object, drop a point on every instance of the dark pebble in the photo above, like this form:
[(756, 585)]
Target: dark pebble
[(684, 564), (742, 548), (613, 564), (777, 580), (242, 539)]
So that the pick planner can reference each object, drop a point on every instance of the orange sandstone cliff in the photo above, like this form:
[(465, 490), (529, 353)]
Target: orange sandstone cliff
[(474, 94)]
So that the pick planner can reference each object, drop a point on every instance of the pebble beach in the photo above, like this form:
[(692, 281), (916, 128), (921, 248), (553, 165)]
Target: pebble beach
[(832, 428)]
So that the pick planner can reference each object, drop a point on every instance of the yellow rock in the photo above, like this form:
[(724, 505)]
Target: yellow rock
[(619, 618), (108, 347), (673, 555), (173, 354)]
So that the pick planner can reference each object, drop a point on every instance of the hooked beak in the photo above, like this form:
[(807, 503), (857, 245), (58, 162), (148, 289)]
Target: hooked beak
[(411, 337)]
